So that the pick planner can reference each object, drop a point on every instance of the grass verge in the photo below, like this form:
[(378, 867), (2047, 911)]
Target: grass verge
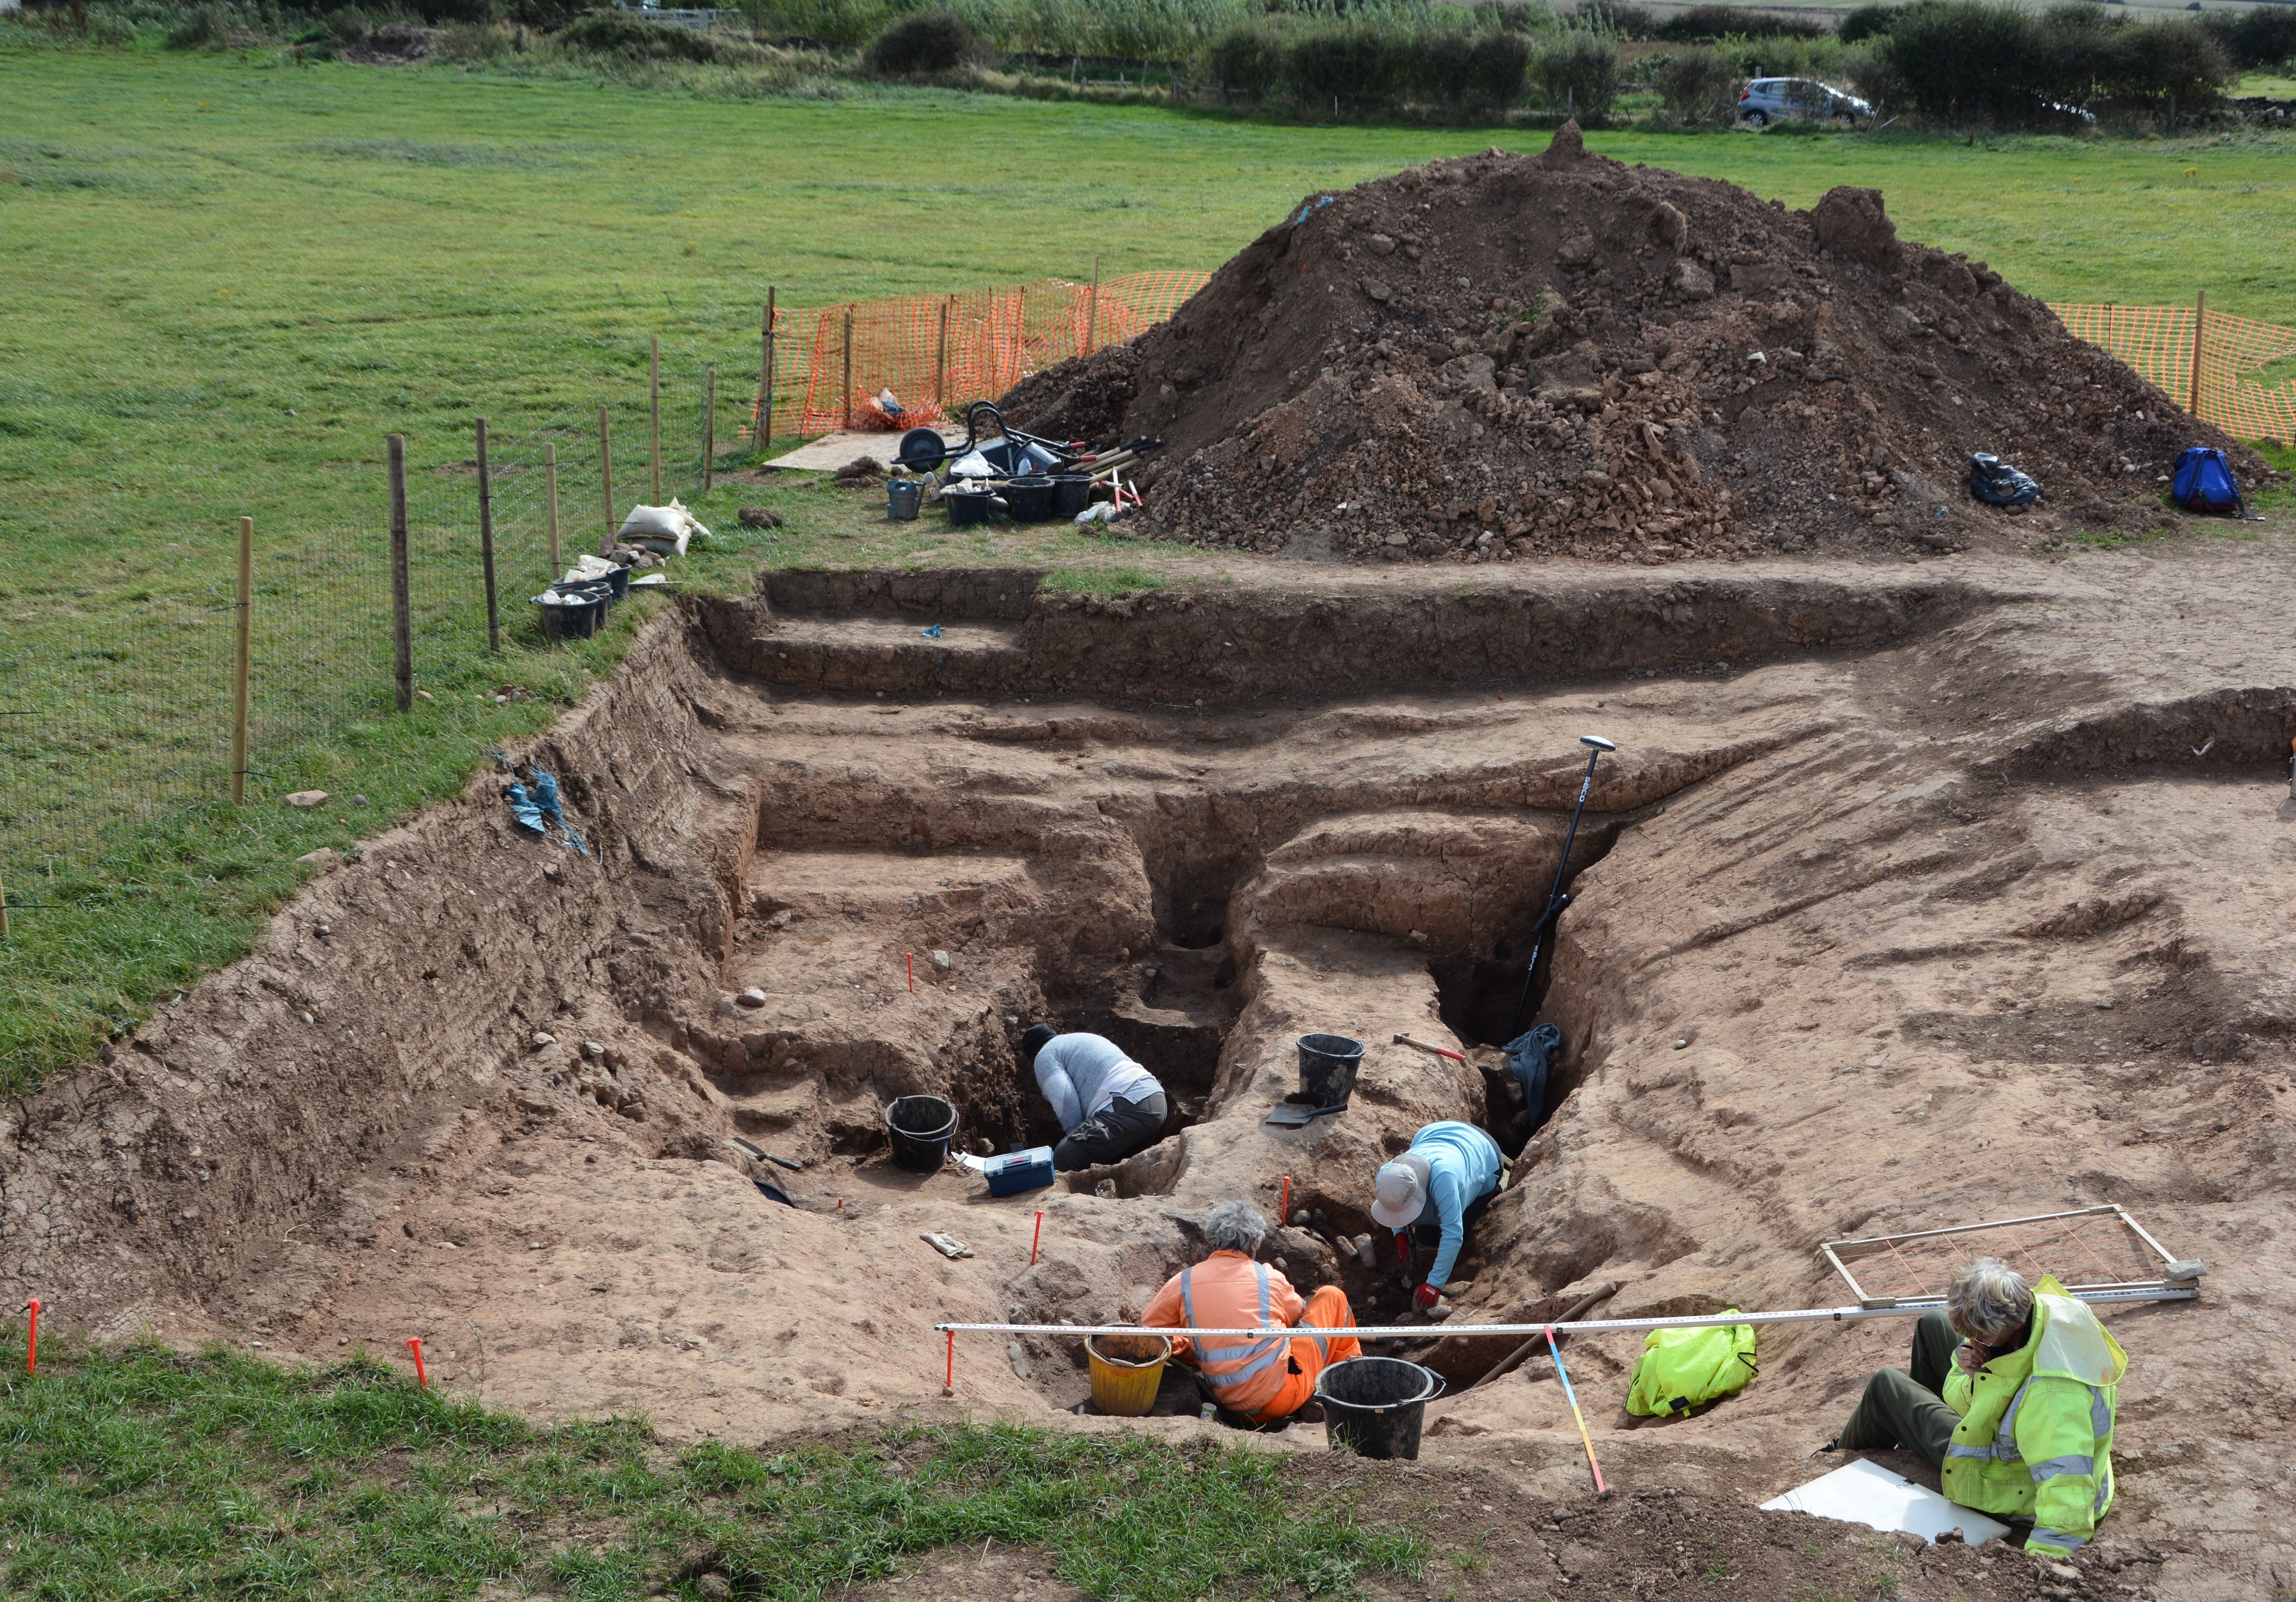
[(136, 1472)]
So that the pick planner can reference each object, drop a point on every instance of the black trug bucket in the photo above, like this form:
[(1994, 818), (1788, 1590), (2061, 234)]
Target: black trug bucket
[(1071, 494), (578, 621), (1029, 499), (920, 1127), (1327, 1069), (1373, 1406), (967, 507)]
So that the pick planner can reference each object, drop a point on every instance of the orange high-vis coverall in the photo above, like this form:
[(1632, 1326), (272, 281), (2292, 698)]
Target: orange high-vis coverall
[(1263, 1380)]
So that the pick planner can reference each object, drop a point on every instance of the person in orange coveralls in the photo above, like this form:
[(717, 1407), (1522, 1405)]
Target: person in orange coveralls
[(1263, 1380)]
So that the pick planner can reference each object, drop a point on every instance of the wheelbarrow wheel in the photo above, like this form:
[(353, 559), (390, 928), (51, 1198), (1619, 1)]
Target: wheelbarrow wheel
[(920, 450)]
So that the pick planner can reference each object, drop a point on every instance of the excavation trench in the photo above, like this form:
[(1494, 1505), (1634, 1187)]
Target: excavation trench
[(1849, 891)]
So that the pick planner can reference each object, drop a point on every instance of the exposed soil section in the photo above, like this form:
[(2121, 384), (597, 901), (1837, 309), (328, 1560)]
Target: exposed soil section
[(1500, 357), (1899, 906)]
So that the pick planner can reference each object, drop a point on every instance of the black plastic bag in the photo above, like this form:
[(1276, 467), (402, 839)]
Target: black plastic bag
[(1997, 484)]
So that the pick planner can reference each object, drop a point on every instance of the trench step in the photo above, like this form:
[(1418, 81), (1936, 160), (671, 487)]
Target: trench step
[(888, 654)]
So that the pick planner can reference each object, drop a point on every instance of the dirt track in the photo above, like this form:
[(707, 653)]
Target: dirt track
[(1910, 898)]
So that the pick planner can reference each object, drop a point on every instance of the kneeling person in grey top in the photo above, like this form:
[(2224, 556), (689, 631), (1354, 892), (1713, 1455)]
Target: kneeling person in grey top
[(1109, 1104)]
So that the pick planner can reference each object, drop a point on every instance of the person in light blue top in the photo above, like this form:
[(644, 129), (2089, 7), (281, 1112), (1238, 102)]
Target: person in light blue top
[(1437, 1188), (1109, 1106)]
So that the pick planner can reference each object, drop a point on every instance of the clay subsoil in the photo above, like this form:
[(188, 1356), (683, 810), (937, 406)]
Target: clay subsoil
[(1915, 895)]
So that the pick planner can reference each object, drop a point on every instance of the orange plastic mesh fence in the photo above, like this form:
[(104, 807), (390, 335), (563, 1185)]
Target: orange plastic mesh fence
[(2234, 390), (939, 353)]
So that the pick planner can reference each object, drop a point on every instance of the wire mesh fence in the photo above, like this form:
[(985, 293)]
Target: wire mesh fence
[(121, 716)]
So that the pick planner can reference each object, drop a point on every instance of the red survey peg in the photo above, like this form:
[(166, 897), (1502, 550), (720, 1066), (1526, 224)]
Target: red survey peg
[(32, 1339), (414, 1345), (1283, 1208), (912, 957), (1039, 1235)]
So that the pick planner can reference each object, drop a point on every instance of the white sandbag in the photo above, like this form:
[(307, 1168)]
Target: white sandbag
[(661, 528)]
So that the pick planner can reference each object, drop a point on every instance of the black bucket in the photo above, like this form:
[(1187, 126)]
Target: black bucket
[(920, 1127), (616, 582), (589, 588), (966, 507), (1327, 1069), (576, 620), (1071, 494), (1373, 1406), (1030, 499)]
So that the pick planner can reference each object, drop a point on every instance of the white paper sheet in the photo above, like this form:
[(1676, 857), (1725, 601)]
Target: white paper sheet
[(1866, 1494)]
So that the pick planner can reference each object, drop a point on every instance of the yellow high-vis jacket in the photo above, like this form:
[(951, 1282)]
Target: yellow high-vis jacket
[(2035, 1439)]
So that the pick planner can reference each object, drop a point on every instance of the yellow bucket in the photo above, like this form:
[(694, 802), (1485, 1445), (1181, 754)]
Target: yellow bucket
[(1125, 1370)]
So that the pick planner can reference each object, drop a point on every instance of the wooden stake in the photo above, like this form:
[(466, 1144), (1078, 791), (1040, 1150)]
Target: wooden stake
[(486, 543), (1092, 312), (239, 668), (709, 424), (766, 380), (550, 499), (849, 369), (3, 912), (940, 358), (2200, 316), (654, 390), (402, 608), (606, 481)]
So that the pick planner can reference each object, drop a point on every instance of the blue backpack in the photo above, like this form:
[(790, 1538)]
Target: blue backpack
[(2203, 482)]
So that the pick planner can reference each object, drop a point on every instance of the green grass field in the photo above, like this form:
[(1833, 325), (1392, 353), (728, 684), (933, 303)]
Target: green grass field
[(136, 1472), (226, 282)]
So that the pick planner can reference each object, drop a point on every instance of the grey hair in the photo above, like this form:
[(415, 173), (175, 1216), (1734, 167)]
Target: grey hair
[(1988, 1300), (1235, 1226)]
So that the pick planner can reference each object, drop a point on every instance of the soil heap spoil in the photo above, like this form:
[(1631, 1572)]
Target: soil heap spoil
[(1503, 355)]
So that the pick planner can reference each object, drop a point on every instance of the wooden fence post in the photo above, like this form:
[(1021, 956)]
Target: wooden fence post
[(239, 664), (765, 381), (654, 388), (940, 358), (709, 424), (1092, 312), (402, 606), (1020, 339), (848, 367), (606, 482), (486, 543), (2193, 391), (550, 500)]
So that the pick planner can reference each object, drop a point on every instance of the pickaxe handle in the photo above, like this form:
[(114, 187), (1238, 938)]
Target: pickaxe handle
[(1420, 1046)]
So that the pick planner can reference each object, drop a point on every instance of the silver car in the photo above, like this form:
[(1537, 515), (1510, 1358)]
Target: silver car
[(1767, 100)]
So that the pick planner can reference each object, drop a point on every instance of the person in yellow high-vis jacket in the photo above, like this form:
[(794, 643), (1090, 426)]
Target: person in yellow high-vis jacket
[(2011, 1399)]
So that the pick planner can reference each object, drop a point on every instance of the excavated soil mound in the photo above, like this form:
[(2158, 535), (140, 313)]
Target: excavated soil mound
[(1503, 355)]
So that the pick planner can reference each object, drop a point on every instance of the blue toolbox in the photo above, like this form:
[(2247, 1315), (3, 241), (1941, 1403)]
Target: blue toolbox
[(1019, 1170)]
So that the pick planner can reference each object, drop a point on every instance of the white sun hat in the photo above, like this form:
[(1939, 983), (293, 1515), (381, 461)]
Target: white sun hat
[(1400, 1191)]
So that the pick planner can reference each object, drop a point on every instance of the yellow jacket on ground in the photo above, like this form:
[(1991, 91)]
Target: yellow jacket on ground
[(2035, 1439)]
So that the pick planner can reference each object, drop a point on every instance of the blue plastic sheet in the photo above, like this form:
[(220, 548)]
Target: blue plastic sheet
[(539, 809)]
